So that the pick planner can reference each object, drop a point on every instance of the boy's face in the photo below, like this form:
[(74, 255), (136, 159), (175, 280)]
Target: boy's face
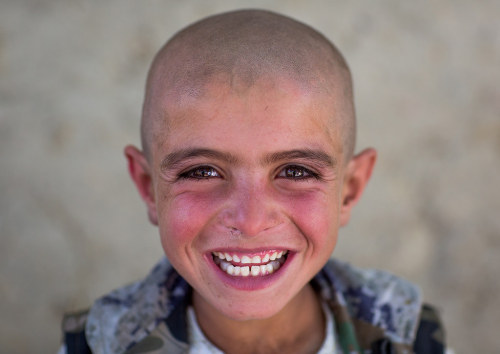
[(248, 172)]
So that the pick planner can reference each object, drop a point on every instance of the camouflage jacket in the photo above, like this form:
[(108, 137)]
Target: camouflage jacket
[(375, 312)]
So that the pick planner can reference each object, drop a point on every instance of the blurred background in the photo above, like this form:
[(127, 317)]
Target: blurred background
[(72, 227)]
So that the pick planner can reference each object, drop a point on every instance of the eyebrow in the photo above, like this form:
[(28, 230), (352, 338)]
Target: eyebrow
[(175, 158), (317, 156)]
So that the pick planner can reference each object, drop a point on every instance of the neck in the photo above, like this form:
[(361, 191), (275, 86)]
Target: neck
[(299, 327)]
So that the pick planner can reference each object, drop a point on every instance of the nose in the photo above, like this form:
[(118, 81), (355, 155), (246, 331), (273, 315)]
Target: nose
[(251, 209)]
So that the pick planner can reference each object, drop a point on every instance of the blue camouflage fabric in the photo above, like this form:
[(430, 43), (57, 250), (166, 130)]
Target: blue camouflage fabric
[(374, 311)]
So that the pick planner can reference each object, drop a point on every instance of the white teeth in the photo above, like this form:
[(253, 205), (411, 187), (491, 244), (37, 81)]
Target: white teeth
[(247, 259), (245, 271), (269, 268), (256, 259), (224, 265), (272, 262), (262, 269)]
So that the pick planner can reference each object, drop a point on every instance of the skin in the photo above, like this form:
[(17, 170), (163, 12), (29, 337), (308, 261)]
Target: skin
[(244, 46), (247, 134)]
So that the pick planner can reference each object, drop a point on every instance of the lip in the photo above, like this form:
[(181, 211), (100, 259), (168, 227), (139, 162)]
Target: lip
[(250, 283)]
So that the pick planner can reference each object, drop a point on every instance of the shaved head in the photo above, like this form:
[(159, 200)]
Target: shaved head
[(241, 47)]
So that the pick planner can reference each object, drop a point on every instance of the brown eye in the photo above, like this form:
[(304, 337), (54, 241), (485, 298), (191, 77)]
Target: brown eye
[(296, 172), (202, 172)]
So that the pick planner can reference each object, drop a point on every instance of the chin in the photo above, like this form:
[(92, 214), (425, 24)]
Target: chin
[(251, 311)]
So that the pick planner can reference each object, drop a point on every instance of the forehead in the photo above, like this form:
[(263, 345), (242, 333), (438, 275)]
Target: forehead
[(274, 112)]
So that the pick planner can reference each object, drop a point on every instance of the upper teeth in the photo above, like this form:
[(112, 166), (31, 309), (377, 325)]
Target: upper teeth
[(250, 259)]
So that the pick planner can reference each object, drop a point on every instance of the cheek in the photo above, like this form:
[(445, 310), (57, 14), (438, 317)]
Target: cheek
[(317, 216), (183, 217)]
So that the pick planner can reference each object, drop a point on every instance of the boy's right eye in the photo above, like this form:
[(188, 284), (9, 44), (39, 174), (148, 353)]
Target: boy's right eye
[(201, 172)]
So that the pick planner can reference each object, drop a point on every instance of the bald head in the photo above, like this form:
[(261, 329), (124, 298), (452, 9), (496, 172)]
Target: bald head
[(243, 46)]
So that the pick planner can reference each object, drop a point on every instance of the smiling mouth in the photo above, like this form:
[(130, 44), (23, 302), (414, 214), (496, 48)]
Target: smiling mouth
[(244, 265)]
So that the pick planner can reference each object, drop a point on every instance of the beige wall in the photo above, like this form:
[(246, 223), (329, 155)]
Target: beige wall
[(427, 91)]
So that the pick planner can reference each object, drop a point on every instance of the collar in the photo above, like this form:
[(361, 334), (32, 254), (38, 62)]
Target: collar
[(378, 300)]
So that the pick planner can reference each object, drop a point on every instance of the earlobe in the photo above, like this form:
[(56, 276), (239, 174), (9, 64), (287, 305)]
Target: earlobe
[(358, 173), (139, 171)]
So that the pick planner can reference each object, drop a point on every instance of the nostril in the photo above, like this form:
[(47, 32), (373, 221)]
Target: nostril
[(235, 232), (248, 220)]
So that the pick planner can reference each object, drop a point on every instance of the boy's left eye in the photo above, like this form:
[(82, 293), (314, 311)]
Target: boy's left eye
[(296, 172)]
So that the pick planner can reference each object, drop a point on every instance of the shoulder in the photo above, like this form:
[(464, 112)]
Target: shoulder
[(377, 297), (377, 283), (380, 302), (125, 316)]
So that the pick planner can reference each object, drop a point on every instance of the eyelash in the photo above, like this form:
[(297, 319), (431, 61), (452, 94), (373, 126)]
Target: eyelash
[(208, 172), (293, 169)]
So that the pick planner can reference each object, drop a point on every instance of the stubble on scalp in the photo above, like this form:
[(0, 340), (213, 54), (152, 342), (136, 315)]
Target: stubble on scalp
[(243, 46)]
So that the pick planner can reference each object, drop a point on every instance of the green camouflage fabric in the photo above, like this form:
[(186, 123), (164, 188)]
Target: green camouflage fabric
[(374, 311)]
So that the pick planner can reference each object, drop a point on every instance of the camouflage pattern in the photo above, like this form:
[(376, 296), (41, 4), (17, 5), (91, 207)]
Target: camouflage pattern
[(374, 311), (128, 315), (370, 305)]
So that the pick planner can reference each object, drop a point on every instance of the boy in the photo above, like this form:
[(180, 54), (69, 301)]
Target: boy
[(247, 168)]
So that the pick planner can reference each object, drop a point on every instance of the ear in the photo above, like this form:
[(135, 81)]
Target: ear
[(358, 172), (140, 173)]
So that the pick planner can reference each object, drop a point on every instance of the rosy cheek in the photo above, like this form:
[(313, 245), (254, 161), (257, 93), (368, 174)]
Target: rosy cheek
[(314, 213), (188, 214)]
